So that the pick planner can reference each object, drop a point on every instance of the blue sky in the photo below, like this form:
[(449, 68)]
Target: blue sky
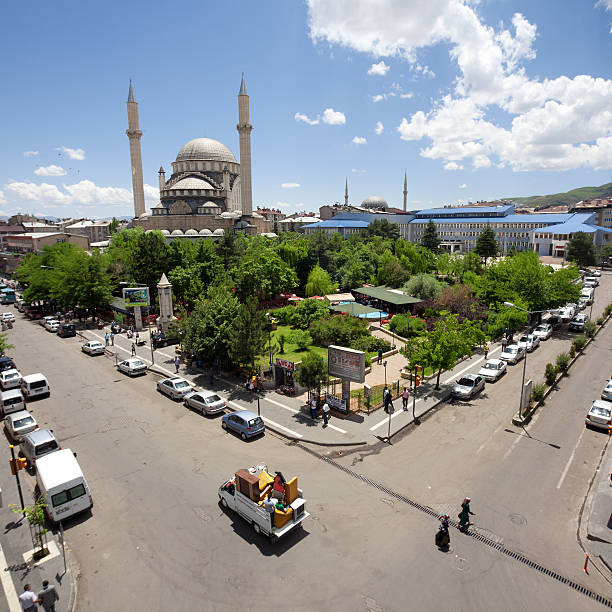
[(474, 99)]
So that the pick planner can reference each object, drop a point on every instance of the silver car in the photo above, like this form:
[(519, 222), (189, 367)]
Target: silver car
[(492, 369), (18, 424), (599, 415), (93, 347), (468, 386), (606, 394), (206, 402), (132, 366), (529, 342), (543, 331), (513, 353), (52, 325), (176, 388)]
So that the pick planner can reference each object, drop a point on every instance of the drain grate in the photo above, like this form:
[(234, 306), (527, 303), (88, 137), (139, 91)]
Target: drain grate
[(488, 541)]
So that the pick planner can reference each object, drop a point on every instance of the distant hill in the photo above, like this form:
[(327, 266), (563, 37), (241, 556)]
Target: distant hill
[(570, 197)]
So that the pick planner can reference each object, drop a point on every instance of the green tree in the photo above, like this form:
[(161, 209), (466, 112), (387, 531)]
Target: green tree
[(300, 337), (486, 245), (606, 252), (4, 345), (248, 334), (424, 287), (319, 282), (312, 372), (150, 254), (382, 228), (430, 239), (113, 226), (580, 249), (307, 311)]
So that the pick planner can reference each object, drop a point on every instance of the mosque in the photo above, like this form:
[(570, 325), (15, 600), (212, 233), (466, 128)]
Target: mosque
[(208, 192)]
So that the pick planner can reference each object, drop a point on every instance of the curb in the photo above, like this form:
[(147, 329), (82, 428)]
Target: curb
[(445, 397)]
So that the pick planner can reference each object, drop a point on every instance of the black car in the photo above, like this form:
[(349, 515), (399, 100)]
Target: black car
[(6, 363), (66, 330), (160, 340), (554, 321)]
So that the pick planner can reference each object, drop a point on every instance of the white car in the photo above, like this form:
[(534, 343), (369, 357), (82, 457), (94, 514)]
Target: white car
[(599, 415), (565, 314), (583, 302), (513, 353), (492, 369), (43, 320), (8, 316), (596, 273), (529, 342), (52, 325), (543, 331), (176, 388), (132, 366), (468, 386), (10, 379), (207, 402), (93, 347), (606, 394), (18, 424)]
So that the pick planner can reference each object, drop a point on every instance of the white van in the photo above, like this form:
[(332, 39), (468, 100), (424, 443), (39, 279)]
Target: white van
[(11, 401), (587, 294), (35, 385), (60, 481)]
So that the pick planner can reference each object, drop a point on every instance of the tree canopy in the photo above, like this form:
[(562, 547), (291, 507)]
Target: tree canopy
[(581, 250)]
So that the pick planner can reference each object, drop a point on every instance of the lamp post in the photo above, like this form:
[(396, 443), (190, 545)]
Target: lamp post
[(385, 366), (592, 303)]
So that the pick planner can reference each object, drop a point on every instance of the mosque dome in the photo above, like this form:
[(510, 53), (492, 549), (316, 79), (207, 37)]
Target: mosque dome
[(191, 232), (219, 232), (375, 202), (205, 232), (177, 232), (191, 182), (165, 232), (205, 149)]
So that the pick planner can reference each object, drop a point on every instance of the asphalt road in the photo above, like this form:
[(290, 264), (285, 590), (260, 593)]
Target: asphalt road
[(158, 540)]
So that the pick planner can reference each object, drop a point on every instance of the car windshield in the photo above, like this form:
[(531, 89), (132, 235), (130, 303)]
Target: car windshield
[(24, 422), (137, 363), (466, 382), (255, 421), (211, 399), (524, 339), (541, 328), (181, 384), (9, 376), (601, 412), (511, 350), (490, 366)]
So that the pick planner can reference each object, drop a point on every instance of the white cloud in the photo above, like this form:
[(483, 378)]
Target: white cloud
[(463, 186), (151, 193), (359, 140), (283, 205), (406, 96), (2, 198), (607, 4), (453, 166), (305, 119), (332, 117), (30, 153), (396, 90), (379, 69), (356, 170), (379, 128), (494, 113), (77, 154), (51, 170), (289, 185)]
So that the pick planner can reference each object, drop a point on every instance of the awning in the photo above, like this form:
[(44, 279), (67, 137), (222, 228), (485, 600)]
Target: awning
[(386, 295)]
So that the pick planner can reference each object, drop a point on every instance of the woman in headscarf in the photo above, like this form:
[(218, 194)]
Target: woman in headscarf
[(464, 515)]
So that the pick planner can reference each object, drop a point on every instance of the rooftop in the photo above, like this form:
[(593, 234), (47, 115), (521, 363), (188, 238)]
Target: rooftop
[(334, 222), (384, 294)]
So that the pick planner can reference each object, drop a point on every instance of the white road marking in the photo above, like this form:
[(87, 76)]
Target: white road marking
[(7, 584), (502, 424), (267, 399), (267, 420), (569, 462), (397, 412), (445, 382)]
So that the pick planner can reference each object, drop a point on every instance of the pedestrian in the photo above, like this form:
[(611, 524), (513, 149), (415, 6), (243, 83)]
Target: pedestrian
[(380, 353), (405, 396), (504, 343), (28, 599), (106, 338), (177, 363), (254, 380), (313, 408), (325, 413), (387, 401), (48, 596), (133, 349), (112, 338), (464, 515), (486, 350), (137, 338)]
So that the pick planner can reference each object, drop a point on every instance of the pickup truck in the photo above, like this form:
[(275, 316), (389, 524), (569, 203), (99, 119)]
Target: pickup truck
[(247, 492)]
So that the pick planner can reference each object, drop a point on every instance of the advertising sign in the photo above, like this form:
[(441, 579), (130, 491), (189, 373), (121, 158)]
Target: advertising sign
[(284, 363), (337, 403), (136, 296), (346, 363)]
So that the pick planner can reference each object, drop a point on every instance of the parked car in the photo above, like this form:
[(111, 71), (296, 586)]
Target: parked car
[(160, 340), (6, 363), (20, 305), (566, 314), (554, 321), (18, 424), (207, 402), (591, 280), (578, 322), (132, 366), (176, 388), (244, 422), (606, 394), (512, 354), (37, 444), (492, 369), (468, 386), (596, 273), (8, 316), (93, 347), (599, 415), (66, 330), (43, 320), (543, 331), (583, 302), (10, 379), (526, 342), (52, 325)]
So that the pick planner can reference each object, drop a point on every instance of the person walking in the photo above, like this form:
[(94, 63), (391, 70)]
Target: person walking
[(137, 338), (380, 354), (313, 408), (106, 338), (28, 599), (112, 338), (133, 350), (387, 400), (177, 363), (325, 413), (464, 515), (48, 596), (486, 350), (405, 396), (504, 343)]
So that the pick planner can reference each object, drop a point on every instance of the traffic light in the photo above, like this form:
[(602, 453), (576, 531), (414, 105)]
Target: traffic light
[(21, 463), (417, 382), (12, 464)]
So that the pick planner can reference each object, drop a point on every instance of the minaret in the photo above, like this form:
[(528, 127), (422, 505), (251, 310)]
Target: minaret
[(244, 130), (162, 178), (405, 191), (346, 191), (133, 132)]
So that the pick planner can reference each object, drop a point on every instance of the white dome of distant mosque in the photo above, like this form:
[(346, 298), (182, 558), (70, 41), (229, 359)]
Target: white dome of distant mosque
[(375, 202), (191, 182), (205, 149)]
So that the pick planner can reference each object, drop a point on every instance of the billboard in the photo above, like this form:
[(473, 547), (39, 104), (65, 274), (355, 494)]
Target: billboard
[(346, 363), (136, 296)]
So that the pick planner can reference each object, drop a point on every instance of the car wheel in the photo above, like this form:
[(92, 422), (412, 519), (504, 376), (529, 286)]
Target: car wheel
[(243, 436), (224, 425), (224, 502), (256, 528)]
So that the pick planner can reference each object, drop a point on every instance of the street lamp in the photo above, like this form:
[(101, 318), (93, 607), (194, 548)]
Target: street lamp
[(385, 366), (592, 303)]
